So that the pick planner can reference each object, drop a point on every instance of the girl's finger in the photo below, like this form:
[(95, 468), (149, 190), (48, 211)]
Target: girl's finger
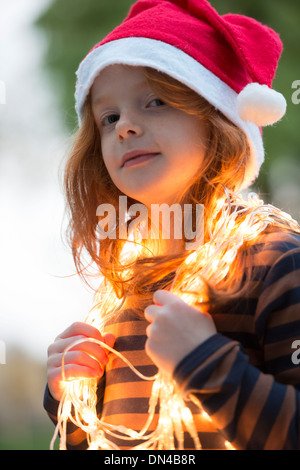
[(82, 329), (162, 297), (81, 343), (79, 358), (109, 339), (150, 312), (76, 371)]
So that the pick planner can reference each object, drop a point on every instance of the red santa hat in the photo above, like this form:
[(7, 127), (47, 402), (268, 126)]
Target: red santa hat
[(229, 59)]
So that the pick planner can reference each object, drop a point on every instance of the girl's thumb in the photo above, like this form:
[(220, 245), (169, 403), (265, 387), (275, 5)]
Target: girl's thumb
[(109, 339)]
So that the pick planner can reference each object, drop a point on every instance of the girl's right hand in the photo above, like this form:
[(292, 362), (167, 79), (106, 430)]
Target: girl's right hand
[(85, 360)]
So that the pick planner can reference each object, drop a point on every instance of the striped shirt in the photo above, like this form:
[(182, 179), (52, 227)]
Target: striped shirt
[(246, 376)]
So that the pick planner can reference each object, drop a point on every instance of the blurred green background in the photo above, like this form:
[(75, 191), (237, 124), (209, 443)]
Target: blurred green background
[(69, 29)]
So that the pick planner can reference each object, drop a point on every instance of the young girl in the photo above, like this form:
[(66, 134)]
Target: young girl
[(200, 343)]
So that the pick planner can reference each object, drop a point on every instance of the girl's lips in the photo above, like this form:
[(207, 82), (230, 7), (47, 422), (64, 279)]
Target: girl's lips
[(139, 159)]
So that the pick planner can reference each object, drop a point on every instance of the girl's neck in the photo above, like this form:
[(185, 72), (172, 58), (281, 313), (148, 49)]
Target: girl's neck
[(167, 242), (169, 247)]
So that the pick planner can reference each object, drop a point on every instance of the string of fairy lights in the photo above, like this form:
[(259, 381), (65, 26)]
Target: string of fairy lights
[(236, 221)]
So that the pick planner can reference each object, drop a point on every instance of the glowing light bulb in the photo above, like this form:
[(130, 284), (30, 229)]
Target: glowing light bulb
[(86, 393), (191, 258), (231, 225), (205, 415), (88, 416), (229, 446), (66, 409), (93, 446)]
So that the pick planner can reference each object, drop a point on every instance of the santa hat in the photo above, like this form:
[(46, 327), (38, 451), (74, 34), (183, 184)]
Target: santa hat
[(230, 60)]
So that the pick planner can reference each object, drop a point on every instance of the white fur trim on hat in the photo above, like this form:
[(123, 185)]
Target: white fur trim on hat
[(261, 105)]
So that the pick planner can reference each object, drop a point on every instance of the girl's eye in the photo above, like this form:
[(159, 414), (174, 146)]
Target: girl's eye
[(111, 119), (156, 102)]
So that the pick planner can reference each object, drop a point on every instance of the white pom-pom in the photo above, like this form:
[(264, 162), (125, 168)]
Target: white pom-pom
[(261, 105)]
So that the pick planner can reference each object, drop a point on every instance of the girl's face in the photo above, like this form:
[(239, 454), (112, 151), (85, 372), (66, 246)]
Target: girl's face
[(151, 150)]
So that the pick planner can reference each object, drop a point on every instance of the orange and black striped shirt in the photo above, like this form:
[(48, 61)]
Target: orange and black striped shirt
[(246, 377)]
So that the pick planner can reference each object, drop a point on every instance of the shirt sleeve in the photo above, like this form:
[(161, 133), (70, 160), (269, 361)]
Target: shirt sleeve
[(254, 408), (76, 438)]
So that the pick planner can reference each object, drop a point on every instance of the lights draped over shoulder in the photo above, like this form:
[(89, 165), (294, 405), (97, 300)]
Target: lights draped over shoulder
[(234, 222)]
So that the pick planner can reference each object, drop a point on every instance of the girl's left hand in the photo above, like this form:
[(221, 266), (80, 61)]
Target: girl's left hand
[(175, 329)]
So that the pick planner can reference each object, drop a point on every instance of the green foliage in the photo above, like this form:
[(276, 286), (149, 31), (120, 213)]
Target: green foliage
[(38, 438), (73, 27)]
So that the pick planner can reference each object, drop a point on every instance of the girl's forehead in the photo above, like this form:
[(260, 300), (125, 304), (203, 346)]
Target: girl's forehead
[(117, 77)]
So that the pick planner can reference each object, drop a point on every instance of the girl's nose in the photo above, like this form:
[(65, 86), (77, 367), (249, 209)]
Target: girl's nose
[(128, 125)]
